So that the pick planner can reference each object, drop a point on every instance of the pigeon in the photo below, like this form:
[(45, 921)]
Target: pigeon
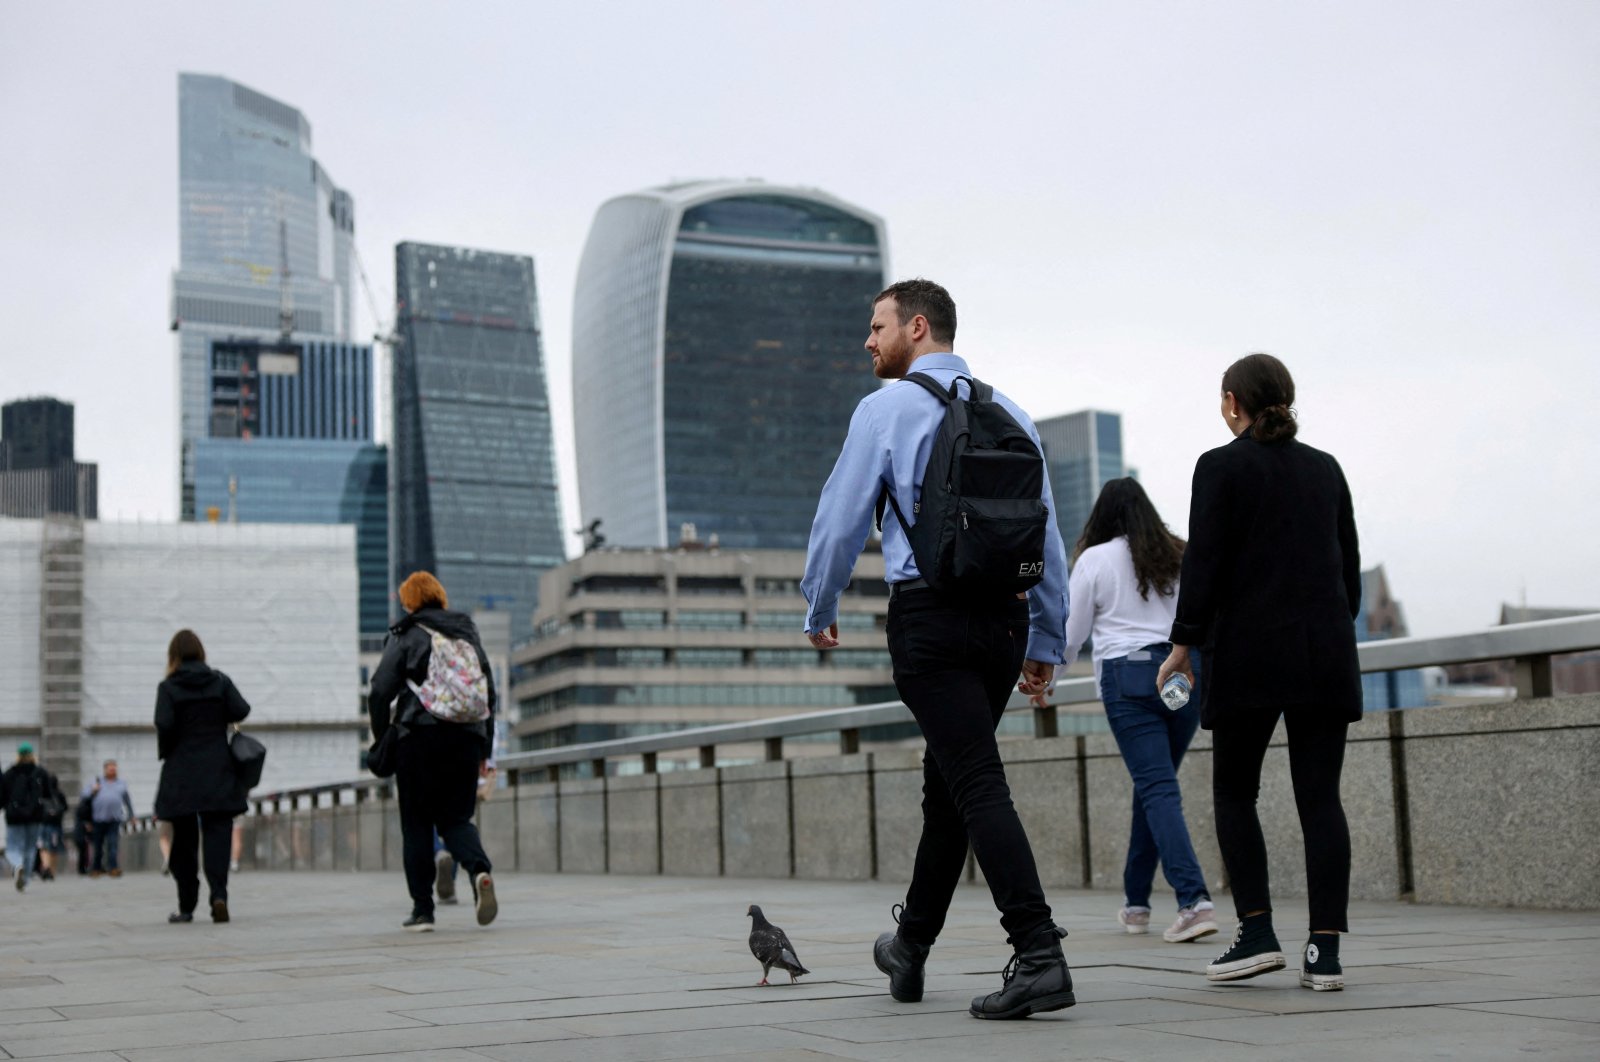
[(771, 947)]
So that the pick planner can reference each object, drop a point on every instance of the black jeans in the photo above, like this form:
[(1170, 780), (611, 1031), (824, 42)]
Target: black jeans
[(206, 837), (437, 773), (955, 668), (1316, 760)]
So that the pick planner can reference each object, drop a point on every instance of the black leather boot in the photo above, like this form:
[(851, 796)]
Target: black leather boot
[(903, 962), (1035, 980)]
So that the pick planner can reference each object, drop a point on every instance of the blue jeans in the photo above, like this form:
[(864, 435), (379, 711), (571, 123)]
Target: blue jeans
[(1153, 739), (21, 844), (107, 838)]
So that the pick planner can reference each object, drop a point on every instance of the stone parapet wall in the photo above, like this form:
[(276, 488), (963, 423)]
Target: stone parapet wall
[(1483, 805)]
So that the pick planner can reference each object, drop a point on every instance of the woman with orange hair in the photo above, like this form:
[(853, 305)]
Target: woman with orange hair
[(435, 686)]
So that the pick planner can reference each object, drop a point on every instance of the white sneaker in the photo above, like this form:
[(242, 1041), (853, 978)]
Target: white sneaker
[(1193, 923), (1135, 920), (444, 885)]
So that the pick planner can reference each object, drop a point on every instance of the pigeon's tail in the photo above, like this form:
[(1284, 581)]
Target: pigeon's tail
[(799, 971)]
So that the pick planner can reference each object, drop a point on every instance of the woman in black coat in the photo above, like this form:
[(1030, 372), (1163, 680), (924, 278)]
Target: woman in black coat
[(1270, 588), (198, 793)]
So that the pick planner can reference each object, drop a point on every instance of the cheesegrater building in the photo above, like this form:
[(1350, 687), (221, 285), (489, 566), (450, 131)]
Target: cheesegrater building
[(717, 358)]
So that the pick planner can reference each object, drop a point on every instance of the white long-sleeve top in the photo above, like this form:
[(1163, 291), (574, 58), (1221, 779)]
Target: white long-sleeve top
[(1104, 592)]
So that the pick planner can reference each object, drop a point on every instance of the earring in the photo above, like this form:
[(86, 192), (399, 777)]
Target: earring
[(1235, 416)]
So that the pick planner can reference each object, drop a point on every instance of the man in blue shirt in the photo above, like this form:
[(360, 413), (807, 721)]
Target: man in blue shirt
[(954, 662)]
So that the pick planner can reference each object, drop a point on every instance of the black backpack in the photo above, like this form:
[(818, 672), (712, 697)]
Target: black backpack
[(27, 796), (981, 520)]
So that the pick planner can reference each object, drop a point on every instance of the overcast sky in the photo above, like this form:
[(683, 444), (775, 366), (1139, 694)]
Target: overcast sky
[(1399, 199)]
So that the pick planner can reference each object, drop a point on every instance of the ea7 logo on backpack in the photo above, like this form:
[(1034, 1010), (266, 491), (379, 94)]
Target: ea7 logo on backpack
[(1031, 569)]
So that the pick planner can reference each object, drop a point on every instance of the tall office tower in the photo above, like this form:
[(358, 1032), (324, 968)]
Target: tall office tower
[(290, 442), (717, 358), (265, 239), (39, 474), (1083, 452), (474, 485)]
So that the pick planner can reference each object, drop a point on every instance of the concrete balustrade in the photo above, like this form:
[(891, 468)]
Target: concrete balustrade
[(1482, 805)]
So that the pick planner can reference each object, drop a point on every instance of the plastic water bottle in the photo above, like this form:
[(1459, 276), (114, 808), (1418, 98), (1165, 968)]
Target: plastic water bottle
[(1175, 694)]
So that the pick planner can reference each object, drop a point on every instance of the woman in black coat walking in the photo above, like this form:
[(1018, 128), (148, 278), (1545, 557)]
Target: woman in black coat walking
[(435, 686), (198, 792), (1270, 587)]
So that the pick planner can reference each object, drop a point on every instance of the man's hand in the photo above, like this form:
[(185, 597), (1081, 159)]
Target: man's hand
[(1177, 663), (1036, 677), (828, 639)]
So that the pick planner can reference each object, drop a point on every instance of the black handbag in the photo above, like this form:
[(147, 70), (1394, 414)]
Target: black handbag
[(249, 757), (384, 755)]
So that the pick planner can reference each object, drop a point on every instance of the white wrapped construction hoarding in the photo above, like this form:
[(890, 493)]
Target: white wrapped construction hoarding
[(274, 604)]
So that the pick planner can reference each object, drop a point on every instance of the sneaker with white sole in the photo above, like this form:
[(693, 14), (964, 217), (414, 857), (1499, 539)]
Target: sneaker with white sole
[(1135, 920), (1192, 924), (1320, 970), (418, 923), (1254, 951), (483, 892)]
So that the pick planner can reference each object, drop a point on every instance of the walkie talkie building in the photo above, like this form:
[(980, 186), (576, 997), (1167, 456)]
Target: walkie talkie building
[(717, 358)]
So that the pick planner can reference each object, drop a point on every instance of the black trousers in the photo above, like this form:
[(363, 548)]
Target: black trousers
[(955, 668), (208, 838), (1316, 761), (437, 773)]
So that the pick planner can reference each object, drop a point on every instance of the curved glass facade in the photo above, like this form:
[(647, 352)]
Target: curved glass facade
[(717, 359)]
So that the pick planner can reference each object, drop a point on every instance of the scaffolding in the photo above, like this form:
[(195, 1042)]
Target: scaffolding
[(61, 649)]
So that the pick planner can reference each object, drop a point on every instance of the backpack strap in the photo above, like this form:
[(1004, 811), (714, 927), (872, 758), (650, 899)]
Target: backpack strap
[(929, 384)]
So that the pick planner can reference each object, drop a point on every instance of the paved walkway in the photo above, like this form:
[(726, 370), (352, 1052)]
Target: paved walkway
[(615, 968)]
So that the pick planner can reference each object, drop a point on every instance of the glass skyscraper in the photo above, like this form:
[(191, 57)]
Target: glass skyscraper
[(1082, 452), (290, 442), (717, 358), (475, 498), (265, 239)]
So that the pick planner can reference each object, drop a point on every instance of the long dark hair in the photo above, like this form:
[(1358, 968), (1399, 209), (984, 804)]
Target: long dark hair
[(184, 647), (1123, 508), (1265, 390)]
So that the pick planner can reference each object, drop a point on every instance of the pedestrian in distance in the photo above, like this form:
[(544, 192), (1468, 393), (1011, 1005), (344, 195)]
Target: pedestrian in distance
[(971, 605), (52, 840), (435, 685), (110, 805), (1124, 593), (199, 793), (1271, 585), (26, 793)]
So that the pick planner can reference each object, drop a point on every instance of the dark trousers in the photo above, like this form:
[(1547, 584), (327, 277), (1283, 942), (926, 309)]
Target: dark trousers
[(1316, 760), (955, 667), (207, 836), (107, 837), (437, 774)]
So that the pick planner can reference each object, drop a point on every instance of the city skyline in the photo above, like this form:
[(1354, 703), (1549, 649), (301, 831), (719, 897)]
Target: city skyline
[(1396, 201)]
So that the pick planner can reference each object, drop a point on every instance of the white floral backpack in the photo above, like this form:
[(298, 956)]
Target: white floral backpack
[(456, 689)]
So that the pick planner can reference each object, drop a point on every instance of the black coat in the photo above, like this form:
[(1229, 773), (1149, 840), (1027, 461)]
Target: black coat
[(194, 706), (405, 658), (24, 790), (1271, 581)]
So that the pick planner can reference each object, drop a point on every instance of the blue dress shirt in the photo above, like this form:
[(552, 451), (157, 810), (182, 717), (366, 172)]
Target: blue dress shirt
[(890, 436)]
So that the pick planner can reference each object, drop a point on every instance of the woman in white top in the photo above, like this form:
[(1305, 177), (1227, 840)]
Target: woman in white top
[(1124, 590)]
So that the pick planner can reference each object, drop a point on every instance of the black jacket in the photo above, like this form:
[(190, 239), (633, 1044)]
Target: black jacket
[(24, 791), (1271, 581), (405, 657), (194, 706)]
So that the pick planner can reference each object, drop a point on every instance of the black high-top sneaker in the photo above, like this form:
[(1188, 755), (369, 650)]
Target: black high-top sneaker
[(1254, 951), (902, 961), (1034, 981), (1319, 968)]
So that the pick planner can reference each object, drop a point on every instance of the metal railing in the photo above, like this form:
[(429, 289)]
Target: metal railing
[(1529, 645)]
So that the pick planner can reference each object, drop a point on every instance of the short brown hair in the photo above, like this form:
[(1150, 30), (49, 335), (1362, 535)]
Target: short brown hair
[(420, 590), (919, 296), (184, 647)]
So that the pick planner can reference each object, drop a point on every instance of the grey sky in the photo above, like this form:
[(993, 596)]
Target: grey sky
[(1398, 199)]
